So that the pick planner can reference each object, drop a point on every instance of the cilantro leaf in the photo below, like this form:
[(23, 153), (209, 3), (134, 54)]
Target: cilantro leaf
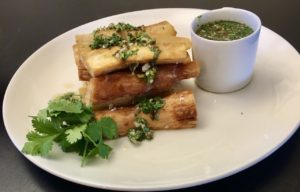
[(64, 106), (74, 134), (38, 144), (70, 123), (66, 146), (85, 116), (96, 130), (92, 153), (45, 126), (100, 149), (93, 131), (74, 118), (105, 127), (42, 114), (68, 103), (104, 150), (109, 127)]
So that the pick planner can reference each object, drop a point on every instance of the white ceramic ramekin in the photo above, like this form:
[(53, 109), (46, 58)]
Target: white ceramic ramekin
[(226, 66)]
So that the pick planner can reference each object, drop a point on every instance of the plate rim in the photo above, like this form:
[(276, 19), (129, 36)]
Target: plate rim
[(132, 188)]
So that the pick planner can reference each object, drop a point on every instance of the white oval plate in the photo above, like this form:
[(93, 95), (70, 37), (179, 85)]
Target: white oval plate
[(235, 130)]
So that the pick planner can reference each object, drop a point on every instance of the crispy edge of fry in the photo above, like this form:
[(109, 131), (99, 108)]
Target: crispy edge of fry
[(163, 28), (102, 61), (128, 86), (179, 112)]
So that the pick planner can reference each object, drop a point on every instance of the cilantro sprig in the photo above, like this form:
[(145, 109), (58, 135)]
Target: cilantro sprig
[(71, 124)]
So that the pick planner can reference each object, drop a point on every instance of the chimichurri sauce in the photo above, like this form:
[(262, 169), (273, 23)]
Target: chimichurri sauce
[(224, 30)]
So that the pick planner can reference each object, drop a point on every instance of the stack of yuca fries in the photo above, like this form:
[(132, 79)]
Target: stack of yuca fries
[(121, 63)]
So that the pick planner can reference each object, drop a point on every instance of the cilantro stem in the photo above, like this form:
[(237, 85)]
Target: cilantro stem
[(89, 138), (84, 154), (70, 123)]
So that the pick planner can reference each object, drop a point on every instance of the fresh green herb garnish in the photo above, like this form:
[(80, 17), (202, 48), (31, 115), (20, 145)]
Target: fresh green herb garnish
[(149, 72), (122, 27), (140, 38), (140, 132), (71, 124), (150, 75), (156, 52), (119, 27), (151, 106), (124, 54), (101, 41)]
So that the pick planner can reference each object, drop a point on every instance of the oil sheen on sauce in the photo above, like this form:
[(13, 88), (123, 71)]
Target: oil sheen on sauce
[(224, 30)]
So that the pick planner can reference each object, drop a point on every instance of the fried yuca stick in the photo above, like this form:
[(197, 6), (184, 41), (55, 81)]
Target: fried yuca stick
[(179, 112), (101, 61), (162, 41), (122, 87), (163, 28), (83, 74)]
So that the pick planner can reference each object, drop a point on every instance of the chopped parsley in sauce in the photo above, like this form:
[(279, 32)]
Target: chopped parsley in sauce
[(224, 30)]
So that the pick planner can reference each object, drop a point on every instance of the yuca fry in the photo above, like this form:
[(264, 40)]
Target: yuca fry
[(162, 41), (102, 61), (163, 28), (84, 75), (126, 86), (178, 112)]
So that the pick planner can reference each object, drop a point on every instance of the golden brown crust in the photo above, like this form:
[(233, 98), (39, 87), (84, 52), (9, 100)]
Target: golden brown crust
[(104, 60), (163, 28), (179, 112), (122, 87), (108, 81)]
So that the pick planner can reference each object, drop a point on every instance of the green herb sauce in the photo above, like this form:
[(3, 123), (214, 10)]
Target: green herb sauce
[(151, 106), (224, 30), (142, 131)]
